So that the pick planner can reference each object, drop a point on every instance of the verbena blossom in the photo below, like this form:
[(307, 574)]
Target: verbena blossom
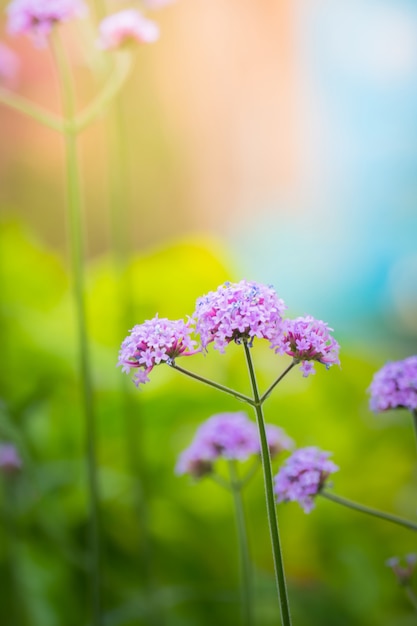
[(10, 461), (237, 311), (9, 66), (125, 27), (303, 476), (156, 341), (36, 18), (394, 386), (228, 436), (403, 573), (307, 339)]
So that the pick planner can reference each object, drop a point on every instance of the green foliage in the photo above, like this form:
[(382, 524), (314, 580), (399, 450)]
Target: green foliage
[(170, 551)]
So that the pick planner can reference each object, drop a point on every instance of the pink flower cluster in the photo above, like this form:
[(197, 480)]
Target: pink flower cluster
[(237, 311), (394, 386), (228, 436), (302, 476), (124, 27), (307, 339), (36, 18), (153, 342)]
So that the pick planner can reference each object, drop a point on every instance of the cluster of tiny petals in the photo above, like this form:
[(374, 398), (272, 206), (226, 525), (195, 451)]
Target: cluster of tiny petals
[(307, 339), (303, 476), (153, 342), (9, 66), (395, 386), (236, 311), (229, 436), (36, 18), (124, 27)]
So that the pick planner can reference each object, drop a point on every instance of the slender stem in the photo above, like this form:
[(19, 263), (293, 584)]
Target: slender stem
[(22, 105), (411, 596), (76, 240), (369, 511), (270, 500), (278, 380), (201, 379), (414, 416), (122, 69), (245, 562)]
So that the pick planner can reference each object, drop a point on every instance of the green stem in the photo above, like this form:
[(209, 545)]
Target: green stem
[(201, 379), (76, 240), (245, 562), (122, 69), (414, 416), (22, 105), (369, 511), (278, 380), (270, 499)]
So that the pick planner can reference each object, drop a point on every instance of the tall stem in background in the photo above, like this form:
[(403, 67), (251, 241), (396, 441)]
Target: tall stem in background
[(74, 205), (245, 562), (270, 498)]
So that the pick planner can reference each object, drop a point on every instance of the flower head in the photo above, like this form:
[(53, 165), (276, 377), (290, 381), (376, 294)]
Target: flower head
[(9, 66), (10, 461), (153, 342), (230, 436), (126, 26), (237, 311), (302, 476), (307, 339), (394, 386), (37, 17)]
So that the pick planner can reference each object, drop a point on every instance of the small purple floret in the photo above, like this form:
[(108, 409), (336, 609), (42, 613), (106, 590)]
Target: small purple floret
[(303, 476), (237, 311), (394, 386)]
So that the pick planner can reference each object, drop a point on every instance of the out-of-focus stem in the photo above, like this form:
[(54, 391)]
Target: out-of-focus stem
[(368, 510), (74, 205), (245, 562), (22, 105)]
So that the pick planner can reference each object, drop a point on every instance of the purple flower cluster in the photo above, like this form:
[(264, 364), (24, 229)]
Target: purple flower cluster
[(234, 312), (10, 461), (237, 311), (228, 436), (36, 18), (153, 342), (302, 476), (307, 339), (124, 27), (394, 386)]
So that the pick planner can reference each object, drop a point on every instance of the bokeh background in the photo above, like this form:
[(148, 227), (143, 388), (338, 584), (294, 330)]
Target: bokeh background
[(274, 141)]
